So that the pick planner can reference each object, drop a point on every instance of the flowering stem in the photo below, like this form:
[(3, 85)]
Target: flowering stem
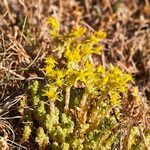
[(52, 109), (82, 107), (67, 98), (83, 101)]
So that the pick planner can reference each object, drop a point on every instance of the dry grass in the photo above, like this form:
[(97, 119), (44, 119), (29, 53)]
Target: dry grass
[(24, 42)]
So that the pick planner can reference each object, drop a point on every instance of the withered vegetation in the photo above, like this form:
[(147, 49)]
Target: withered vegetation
[(25, 42)]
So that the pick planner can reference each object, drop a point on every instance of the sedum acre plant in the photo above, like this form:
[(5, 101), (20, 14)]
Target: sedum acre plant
[(79, 107)]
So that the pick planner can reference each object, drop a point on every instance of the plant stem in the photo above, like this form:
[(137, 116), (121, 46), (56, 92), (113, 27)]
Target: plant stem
[(52, 110), (67, 98), (52, 107), (83, 107), (83, 101)]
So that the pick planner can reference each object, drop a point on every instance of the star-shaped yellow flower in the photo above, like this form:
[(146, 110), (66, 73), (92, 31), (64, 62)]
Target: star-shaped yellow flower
[(51, 93)]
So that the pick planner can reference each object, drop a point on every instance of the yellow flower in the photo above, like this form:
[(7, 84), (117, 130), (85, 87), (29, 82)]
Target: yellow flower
[(81, 76), (59, 77), (50, 64), (86, 74), (50, 61), (88, 65), (99, 34), (100, 69), (70, 76), (51, 93), (53, 22), (79, 31), (97, 50), (54, 26), (73, 54), (48, 70)]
